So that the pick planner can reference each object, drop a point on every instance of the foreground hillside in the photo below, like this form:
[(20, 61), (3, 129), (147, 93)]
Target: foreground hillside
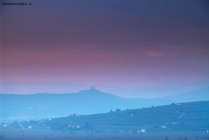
[(176, 121), (185, 116)]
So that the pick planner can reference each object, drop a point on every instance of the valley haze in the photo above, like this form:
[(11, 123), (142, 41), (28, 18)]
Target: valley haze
[(92, 101)]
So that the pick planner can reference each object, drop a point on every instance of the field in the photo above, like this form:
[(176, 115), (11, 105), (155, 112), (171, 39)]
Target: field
[(46, 134)]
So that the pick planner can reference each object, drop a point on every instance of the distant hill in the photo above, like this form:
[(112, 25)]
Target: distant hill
[(38, 106), (196, 95)]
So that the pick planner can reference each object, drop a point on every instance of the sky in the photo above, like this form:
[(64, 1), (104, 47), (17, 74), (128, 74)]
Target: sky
[(131, 48)]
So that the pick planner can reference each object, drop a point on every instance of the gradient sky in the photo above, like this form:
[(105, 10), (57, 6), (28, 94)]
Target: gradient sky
[(126, 44)]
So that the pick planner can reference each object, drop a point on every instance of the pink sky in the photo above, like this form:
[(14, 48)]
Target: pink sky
[(130, 44)]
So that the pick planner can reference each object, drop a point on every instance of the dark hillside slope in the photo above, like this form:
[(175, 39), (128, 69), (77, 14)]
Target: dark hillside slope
[(185, 116)]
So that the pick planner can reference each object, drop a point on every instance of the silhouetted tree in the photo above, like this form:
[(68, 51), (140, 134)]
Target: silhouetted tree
[(117, 110)]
